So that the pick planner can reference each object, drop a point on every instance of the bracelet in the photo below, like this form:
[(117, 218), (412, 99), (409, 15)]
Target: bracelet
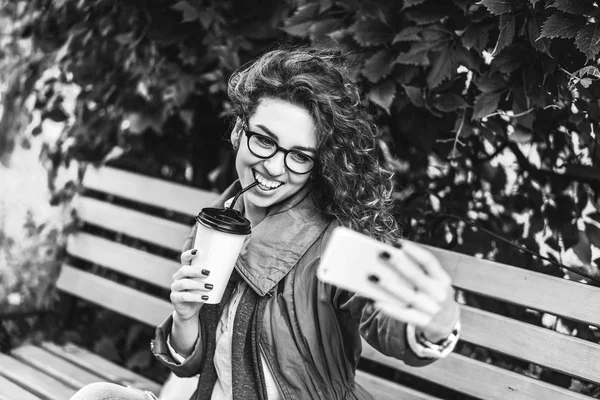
[(424, 348)]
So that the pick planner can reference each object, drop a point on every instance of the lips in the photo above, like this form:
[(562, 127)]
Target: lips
[(264, 183)]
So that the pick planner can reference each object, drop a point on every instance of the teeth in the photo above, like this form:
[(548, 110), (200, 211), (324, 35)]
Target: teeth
[(270, 184)]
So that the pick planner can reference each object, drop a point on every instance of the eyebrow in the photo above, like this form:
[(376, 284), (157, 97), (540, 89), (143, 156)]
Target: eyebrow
[(268, 132)]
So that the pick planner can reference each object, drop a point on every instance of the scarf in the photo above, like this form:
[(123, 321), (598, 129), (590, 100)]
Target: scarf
[(247, 370)]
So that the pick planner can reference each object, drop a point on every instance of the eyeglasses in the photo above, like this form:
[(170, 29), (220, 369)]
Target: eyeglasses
[(265, 147)]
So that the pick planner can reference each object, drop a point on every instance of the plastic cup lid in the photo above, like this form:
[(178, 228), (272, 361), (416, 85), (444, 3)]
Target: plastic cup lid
[(225, 220)]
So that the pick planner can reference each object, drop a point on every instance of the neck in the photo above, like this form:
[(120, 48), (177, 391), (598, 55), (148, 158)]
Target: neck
[(254, 214)]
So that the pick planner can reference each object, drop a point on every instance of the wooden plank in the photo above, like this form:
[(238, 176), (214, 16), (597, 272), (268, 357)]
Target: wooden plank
[(478, 379), (54, 366), (108, 294), (107, 370), (127, 260), (382, 389), (159, 231), (11, 391), (33, 380), (516, 285), (535, 344), (152, 191)]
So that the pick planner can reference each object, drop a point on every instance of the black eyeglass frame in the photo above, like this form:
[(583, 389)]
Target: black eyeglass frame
[(278, 148)]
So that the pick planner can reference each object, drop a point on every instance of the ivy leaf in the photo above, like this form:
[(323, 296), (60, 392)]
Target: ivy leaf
[(415, 95), (410, 34), (578, 7), (476, 36), (499, 7), (372, 32), (562, 26), (444, 65), (507, 33), (303, 18), (417, 55), (538, 43), (588, 40), (510, 59), (448, 102), (379, 65), (325, 26), (412, 3), (190, 13), (383, 94), (485, 104)]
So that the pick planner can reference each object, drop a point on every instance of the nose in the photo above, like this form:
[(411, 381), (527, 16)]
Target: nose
[(275, 165)]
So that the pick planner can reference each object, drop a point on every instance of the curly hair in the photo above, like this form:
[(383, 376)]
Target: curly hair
[(352, 184)]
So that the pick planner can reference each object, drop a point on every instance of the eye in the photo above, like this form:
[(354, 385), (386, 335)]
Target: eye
[(264, 141), (300, 157)]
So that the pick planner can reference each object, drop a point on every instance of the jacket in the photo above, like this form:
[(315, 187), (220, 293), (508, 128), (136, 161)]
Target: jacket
[(311, 331)]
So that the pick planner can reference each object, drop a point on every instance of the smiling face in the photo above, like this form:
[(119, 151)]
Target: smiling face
[(289, 126)]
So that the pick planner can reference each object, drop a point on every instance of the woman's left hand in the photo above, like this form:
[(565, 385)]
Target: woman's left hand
[(425, 297)]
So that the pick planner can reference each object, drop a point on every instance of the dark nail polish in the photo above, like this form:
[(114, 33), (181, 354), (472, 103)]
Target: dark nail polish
[(397, 245), (205, 272), (208, 286), (373, 278), (194, 252), (384, 255), (204, 297)]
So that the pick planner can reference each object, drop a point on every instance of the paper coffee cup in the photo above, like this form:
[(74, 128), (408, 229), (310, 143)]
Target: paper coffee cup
[(220, 235)]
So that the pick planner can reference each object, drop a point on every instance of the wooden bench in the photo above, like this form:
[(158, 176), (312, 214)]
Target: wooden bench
[(54, 372)]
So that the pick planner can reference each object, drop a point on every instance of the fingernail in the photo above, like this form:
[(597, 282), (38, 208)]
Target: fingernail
[(194, 252), (208, 286), (204, 297), (384, 255), (205, 272), (373, 278), (397, 245)]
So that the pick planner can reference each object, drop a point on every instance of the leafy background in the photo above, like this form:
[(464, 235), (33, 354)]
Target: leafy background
[(490, 112)]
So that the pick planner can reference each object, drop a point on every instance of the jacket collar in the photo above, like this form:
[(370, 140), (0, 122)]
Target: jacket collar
[(278, 242)]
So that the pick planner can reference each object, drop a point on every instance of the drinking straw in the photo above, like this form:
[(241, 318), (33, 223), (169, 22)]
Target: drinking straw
[(250, 186)]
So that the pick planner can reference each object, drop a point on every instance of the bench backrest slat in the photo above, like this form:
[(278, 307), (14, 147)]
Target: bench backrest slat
[(568, 354), (383, 389), (520, 286), (124, 259), (139, 306), (478, 379), (151, 229), (145, 190)]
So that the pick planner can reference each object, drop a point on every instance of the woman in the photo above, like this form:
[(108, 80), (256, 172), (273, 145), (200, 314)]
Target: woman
[(303, 132)]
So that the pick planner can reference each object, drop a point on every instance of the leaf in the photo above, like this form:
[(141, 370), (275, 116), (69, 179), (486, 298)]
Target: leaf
[(410, 34), (510, 59), (372, 32), (379, 65), (383, 94), (417, 55), (444, 65), (415, 95), (476, 36), (562, 26), (507, 33), (593, 234), (325, 26), (538, 43), (485, 104), (448, 102), (578, 7), (588, 40), (499, 7), (412, 3), (582, 249), (190, 13), (303, 18)]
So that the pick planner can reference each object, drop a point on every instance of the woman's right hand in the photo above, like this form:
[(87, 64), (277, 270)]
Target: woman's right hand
[(189, 290)]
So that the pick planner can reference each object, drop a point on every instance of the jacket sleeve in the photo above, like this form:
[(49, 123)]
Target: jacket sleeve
[(386, 334), (191, 365)]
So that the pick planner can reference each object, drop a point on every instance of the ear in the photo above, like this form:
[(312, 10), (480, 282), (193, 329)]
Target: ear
[(236, 133)]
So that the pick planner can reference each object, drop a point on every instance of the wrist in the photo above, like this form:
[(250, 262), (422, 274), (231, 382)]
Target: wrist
[(441, 329), (184, 321)]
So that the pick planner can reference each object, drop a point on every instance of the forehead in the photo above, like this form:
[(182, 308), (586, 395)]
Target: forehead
[(293, 125)]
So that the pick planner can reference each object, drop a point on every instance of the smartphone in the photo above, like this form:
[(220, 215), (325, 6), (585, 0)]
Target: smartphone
[(352, 261)]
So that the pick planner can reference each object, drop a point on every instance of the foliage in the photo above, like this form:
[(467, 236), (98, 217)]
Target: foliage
[(490, 109)]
